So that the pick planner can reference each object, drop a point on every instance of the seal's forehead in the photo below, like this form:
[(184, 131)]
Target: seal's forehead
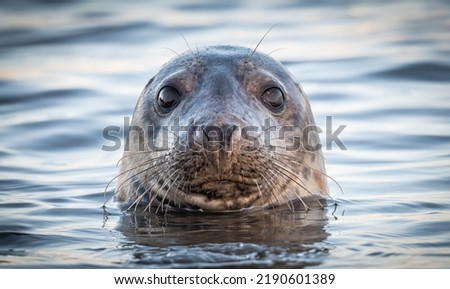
[(225, 51), (225, 55)]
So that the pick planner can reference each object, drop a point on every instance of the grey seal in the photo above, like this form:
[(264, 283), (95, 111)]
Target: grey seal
[(221, 128)]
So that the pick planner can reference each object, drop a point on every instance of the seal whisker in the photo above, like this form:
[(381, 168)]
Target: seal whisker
[(168, 189), (183, 186), (316, 170), (168, 181), (132, 154), (303, 185), (155, 195), (261, 40), (196, 49), (271, 187), (289, 203), (136, 174), (145, 193), (275, 50), (107, 200), (135, 193), (298, 181), (153, 198), (137, 200), (259, 189), (176, 53), (187, 43), (170, 49), (146, 162)]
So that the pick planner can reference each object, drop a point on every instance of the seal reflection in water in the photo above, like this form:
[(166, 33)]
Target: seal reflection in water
[(219, 129)]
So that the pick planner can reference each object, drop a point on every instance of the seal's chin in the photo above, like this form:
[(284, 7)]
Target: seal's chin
[(223, 195)]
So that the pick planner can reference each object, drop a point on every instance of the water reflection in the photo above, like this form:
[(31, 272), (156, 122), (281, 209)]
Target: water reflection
[(242, 239)]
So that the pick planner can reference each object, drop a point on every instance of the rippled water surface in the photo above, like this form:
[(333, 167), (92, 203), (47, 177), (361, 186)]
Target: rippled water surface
[(381, 68)]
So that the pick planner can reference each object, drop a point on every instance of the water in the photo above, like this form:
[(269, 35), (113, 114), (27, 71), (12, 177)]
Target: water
[(381, 68)]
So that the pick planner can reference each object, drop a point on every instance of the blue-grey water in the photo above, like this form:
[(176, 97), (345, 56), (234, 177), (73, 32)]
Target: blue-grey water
[(382, 68)]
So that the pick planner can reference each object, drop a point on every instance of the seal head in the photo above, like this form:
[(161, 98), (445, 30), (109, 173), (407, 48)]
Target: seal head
[(223, 128)]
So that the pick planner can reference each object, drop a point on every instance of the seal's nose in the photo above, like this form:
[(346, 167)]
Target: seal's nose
[(218, 137)]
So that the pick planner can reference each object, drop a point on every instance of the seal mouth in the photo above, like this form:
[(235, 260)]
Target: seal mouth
[(224, 194), (223, 189), (218, 201)]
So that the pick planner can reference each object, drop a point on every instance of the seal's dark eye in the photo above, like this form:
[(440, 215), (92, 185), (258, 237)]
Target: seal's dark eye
[(168, 98), (273, 99)]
